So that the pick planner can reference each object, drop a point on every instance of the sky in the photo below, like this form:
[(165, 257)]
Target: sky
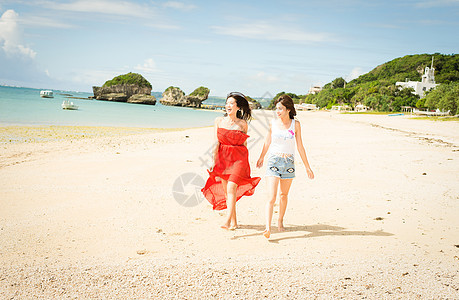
[(259, 48)]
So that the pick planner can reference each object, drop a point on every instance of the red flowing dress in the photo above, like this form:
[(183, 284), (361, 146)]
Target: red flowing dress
[(231, 164)]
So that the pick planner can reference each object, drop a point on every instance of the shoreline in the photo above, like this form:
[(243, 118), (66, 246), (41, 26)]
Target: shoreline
[(47, 133)]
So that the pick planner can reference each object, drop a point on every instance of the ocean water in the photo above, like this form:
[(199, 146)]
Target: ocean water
[(24, 106)]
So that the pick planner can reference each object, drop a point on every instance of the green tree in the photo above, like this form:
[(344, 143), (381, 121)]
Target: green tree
[(201, 92), (445, 97), (129, 78), (296, 99), (338, 83), (378, 89)]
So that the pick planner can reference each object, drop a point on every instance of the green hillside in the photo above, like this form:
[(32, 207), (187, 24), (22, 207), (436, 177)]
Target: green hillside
[(377, 89), (412, 67)]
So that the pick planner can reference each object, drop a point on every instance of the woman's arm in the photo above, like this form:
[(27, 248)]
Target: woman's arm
[(301, 151), (216, 143), (265, 149), (245, 128)]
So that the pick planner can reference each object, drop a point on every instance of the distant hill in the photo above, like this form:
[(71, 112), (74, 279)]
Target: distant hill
[(412, 67), (376, 89)]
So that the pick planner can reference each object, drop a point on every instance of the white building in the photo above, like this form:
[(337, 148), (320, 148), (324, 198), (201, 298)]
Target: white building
[(315, 89), (427, 82)]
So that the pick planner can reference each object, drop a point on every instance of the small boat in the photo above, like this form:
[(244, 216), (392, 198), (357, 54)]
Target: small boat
[(46, 94), (69, 105)]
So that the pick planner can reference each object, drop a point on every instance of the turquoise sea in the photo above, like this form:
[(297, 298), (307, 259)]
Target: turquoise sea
[(24, 106)]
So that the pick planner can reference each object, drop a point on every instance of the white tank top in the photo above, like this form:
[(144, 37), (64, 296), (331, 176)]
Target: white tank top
[(282, 140)]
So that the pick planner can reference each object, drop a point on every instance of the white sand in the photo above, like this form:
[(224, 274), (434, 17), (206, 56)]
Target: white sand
[(96, 217)]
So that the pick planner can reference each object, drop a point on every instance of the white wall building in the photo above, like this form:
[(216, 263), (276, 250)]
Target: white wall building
[(420, 87), (315, 89)]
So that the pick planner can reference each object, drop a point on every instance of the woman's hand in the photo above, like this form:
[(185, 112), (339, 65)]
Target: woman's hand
[(212, 166), (260, 162), (310, 173)]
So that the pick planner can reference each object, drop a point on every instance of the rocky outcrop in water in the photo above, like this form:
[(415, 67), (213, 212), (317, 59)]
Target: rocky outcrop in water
[(142, 99), (174, 96), (130, 93)]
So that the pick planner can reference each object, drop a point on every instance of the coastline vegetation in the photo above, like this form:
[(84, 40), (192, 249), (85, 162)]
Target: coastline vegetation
[(445, 97), (174, 87), (129, 78), (200, 92), (377, 90)]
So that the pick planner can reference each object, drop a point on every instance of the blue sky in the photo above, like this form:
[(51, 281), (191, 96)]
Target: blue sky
[(255, 47)]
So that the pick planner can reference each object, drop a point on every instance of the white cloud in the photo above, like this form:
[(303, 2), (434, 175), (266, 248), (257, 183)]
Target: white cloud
[(148, 67), (264, 78), (112, 8), (11, 36), (108, 7), (355, 73), (267, 31), (17, 61), (179, 5), (93, 77), (36, 21), (164, 25)]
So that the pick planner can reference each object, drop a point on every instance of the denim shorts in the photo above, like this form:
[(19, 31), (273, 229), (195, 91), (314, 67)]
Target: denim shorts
[(282, 167)]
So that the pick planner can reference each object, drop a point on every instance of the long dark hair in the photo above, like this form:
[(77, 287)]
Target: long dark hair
[(243, 105), (286, 101)]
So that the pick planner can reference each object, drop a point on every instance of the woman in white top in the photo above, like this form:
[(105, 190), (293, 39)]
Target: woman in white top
[(284, 132)]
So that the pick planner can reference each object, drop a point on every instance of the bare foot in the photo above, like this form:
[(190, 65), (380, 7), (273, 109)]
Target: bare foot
[(281, 227), (267, 233), (234, 227), (226, 226)]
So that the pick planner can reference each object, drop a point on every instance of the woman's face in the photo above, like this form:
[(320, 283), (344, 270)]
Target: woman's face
[(231, 106), (282, 111)]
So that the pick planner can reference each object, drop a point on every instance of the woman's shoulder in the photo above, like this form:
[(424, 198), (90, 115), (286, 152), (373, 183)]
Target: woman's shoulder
[(218, 120), (243, 125), (242, 121), (297, 124)]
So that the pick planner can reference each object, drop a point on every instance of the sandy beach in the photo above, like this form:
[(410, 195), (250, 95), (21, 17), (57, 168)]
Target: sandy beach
[(92, 212)]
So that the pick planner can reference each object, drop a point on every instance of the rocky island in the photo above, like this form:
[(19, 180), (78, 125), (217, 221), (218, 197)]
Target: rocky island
[(130, 88), (174, 96)]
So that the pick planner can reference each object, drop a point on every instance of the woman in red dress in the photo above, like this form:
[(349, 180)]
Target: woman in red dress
[(229, 178)]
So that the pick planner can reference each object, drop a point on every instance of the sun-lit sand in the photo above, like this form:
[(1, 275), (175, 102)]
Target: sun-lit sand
[(91, 212)]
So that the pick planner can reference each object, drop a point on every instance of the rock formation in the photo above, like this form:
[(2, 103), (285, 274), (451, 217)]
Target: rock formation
[(197, 96), (174, 96), (125, 93), (254, 104), (142, 99), (131, 87)]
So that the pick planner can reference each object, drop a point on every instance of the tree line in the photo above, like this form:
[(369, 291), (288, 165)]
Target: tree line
[(377, 89)]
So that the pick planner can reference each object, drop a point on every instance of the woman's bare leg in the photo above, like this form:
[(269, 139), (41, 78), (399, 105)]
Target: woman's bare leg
[(273, 183), (230, 191), (285, 185)]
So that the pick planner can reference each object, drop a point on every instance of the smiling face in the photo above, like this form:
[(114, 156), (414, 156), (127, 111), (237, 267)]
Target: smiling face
[(231, 106), (281, 111)]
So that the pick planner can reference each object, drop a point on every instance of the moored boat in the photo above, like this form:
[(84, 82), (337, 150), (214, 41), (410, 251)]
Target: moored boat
[(69, 105), (46, 94)]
